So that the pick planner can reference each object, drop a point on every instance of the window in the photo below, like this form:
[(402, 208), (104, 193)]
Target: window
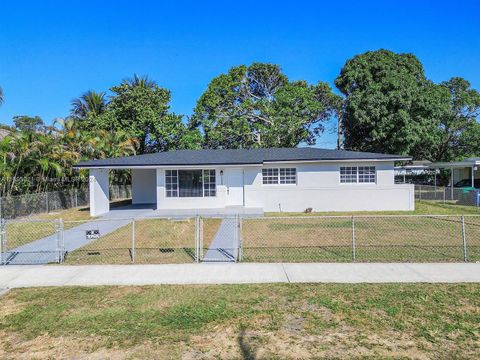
[(190, 183), (171, 183), (360, 174), (348, 174), (366, 174), (209, 183), (288, 176), (279, 176), (270, 176)]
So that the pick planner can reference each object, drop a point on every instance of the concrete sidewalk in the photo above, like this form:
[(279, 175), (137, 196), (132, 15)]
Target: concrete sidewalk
[(87, 275)]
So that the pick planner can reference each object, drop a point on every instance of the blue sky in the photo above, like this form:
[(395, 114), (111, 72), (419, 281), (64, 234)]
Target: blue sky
[(52, 51)]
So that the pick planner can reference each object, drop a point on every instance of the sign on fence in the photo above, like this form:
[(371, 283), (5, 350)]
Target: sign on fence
[(92, 234)]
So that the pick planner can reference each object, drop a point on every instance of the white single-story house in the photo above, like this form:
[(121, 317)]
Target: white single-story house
[(256, 180)]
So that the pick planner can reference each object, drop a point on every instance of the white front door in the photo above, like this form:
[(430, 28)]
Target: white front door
[(234, 186)]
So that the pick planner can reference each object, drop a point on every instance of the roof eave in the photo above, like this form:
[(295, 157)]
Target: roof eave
[(129, 166)]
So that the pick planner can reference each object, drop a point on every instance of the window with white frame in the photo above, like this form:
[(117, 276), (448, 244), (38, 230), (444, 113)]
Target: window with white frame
[(348, 174), (366, 174), (357, 174), (190, 183), (171, 183), (275, 176)]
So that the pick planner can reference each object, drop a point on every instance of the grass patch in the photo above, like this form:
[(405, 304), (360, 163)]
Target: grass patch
[(265, 321), (156, 241), (377, 239), (422, 207)]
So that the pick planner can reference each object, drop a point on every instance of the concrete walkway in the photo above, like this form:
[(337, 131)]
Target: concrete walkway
[(240, 273), (224, 247)]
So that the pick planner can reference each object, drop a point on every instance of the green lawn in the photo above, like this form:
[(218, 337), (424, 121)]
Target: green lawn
[(283, 321), (377, 239), (422, 207)]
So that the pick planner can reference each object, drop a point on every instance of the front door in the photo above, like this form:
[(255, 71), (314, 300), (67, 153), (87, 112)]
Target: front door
[(234, 187)]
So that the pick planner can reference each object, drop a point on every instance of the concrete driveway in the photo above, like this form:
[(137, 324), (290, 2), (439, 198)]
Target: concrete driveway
[(45, 250)]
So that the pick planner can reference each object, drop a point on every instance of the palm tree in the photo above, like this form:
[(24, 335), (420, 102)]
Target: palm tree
[(141, 81), (91, 102), (1, 96)]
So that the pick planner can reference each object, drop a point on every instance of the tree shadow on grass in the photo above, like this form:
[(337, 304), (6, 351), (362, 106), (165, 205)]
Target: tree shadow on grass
[(246, 349)]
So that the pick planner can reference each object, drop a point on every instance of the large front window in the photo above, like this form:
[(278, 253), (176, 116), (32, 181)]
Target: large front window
[(190, 183)]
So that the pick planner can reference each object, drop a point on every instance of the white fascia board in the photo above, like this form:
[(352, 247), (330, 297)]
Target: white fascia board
[(122, 167), (334, 161), (458, 164)]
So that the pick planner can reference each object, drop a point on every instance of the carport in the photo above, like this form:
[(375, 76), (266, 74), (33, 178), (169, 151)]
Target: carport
[(459, 170), (144, 189)]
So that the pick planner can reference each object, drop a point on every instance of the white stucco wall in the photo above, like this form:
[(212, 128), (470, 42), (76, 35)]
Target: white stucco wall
[(99, 192), (144, 182), (318, 186)]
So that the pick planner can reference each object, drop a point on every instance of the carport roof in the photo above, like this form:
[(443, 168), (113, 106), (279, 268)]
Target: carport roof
[(235, 157)]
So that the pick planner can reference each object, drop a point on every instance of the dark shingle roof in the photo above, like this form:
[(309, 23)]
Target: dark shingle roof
[(235, 157)]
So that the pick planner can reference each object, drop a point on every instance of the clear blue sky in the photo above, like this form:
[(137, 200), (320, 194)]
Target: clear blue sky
[(52, 51)]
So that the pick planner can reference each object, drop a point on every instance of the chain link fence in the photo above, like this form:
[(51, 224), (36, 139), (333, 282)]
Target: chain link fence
[(156, 240), (395, 238), (12, 207), (448, 194)]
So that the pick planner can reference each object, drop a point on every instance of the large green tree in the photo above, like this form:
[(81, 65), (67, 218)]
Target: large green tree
[(391, 107), (458, 131), (140, 108), (29, 123), (257, 106)]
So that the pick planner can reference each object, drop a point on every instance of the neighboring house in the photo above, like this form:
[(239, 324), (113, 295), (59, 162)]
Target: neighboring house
[(465, 171), (256, 180)]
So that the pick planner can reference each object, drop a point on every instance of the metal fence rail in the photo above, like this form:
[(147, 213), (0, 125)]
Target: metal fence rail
[(12, 207), (157, 240)]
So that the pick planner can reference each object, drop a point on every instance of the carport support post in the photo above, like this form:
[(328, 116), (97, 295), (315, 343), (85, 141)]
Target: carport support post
[(451, 183), (464, 238), (99, 192), (354, 250)]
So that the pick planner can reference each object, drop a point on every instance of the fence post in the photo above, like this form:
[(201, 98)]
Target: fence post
[(60, 239), (444, 190), (240, 238), (420, 192), (354, 247), (3, 241), (464, 239), (200, 235), (76, 198), (133, 240), (46, 202), (197, 239)]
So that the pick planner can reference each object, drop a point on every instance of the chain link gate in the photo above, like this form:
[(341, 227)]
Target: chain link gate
[(219, 239)]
